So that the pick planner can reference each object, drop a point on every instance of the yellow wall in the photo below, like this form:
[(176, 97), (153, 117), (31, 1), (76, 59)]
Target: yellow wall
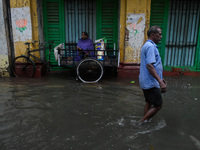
[(129, 48), (122, 28), (19, 46)]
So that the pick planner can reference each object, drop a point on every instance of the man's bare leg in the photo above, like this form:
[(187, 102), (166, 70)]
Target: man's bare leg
[(147, 107), (151, 112)]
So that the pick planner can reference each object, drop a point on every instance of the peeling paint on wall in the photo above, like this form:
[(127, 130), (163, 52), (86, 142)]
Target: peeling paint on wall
[(4, 66), (21, 23), (136, 28)]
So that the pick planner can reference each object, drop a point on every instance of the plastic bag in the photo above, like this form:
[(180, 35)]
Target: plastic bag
[(61, 46), (100, 47)]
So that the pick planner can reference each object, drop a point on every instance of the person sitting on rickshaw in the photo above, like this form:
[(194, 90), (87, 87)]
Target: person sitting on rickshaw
[(85, 46)]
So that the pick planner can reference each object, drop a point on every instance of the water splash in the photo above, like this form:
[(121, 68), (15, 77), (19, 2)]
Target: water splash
[(196, 141), (148, 127)]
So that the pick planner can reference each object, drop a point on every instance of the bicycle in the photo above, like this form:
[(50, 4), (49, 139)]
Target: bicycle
[(24, 66)]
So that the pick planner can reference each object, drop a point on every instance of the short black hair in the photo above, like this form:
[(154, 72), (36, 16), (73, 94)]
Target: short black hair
[(153, 29), (85, 33)]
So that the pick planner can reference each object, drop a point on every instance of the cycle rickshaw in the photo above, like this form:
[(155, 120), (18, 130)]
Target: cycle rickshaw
[(89, 68)]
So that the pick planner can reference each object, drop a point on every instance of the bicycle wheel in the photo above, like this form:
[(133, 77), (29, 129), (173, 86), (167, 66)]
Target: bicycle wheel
[(23, 66), (89, 70)]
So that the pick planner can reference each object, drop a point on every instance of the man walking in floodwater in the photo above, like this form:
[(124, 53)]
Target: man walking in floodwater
[(151, 74)]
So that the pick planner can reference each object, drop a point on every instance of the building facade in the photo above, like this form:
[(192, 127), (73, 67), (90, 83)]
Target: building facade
[(123, 22)]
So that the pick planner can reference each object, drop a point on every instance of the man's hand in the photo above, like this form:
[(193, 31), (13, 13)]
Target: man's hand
[(163, 86), (161, 82), (78, 48)]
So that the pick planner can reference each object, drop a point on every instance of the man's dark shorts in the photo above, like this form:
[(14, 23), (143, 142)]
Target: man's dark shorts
[(153, 96)]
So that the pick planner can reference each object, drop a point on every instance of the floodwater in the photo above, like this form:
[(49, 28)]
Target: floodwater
[(60, 113)]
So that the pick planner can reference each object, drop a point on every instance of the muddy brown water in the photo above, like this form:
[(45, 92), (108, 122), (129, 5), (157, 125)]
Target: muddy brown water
[(58, 112)]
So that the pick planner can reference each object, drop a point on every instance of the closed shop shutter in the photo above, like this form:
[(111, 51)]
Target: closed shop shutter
[(107, 20), (159, 16), (66, 19), (80, 16), (182, 35), (180, 24)]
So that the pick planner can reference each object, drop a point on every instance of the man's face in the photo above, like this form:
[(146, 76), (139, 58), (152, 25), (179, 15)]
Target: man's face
[(83, 36), (157, 36)]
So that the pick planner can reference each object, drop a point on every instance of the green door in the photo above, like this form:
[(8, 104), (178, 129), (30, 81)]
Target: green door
[(53, 24), (107, 20), (159, 16), (54, 20)]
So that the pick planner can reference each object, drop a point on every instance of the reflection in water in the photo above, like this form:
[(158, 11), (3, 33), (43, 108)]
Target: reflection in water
[(58, 113)]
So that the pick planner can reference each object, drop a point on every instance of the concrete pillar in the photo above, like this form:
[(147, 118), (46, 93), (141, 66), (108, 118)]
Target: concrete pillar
[(134, 23), (25, 25), (4, 61)]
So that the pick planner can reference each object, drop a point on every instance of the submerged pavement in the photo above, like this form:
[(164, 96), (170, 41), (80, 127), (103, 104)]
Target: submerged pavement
[(58, 112)]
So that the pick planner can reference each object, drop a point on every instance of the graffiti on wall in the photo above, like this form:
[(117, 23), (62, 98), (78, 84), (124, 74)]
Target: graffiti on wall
[(135, 28), (21, 23)]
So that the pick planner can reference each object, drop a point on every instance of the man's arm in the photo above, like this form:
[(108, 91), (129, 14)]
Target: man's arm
[(153, 72)]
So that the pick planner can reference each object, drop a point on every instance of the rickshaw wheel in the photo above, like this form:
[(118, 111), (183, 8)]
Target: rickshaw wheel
[(89, 70)]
